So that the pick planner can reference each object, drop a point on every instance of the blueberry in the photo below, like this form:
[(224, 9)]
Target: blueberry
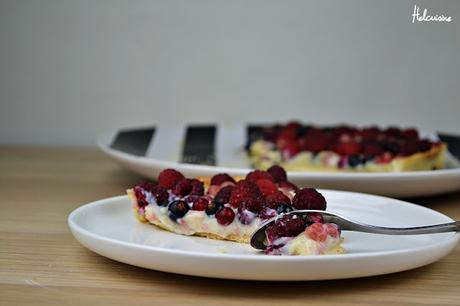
[(302, 131), (178, 209), (283, 208), (391, 146), (213, 207), (354, 160)]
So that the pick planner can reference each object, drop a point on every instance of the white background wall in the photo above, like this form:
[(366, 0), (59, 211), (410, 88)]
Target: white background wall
[(70, 70)]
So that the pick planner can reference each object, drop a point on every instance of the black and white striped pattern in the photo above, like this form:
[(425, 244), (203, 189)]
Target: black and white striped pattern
[(208, 144)]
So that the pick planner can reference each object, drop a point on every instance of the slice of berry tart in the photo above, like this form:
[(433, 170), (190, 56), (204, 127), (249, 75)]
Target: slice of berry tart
[(298, 147), (228, 209)]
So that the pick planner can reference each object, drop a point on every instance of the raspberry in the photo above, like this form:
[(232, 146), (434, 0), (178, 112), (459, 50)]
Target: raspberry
[(286, 226), (332, 230), (169, 177), (200, 204), (314, 144), (317, 232), (225, 216), (370, 133), (197, 187), (276, 199), (392, 132), (372, 149), (267, 187), (223, 196), (221, 178), (256, 175), (243, 190), (182, 188), (255, 204), (161, 195), (309, 198), (146, 185), (141, 201), (348, 148), (278, 173), (178, 209), (410, 134), (291, 149)]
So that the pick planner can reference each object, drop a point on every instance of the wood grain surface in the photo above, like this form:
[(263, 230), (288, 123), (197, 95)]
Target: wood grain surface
[(42, 264)]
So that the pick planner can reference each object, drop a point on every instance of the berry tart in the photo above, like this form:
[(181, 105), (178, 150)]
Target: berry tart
[(228, 209), (298, 147)]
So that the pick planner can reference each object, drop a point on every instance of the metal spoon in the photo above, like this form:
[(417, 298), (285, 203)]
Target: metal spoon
[(259, 238)]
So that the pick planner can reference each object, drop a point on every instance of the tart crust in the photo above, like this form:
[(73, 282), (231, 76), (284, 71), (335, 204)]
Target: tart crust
[(428, 160)]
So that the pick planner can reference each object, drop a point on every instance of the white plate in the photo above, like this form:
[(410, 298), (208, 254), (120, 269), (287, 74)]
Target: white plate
[(164, 151), (108, 227)]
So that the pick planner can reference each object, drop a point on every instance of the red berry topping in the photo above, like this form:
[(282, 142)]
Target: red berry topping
[(223, 196), (291, 149), (410, 134), (161, 195), (200, 204), (276, 199), (221, 178), (225, 216), (317, 232), (348, 148), (423, 145), (332, 230), (309, 198), (286, 226), (256, 175), (278, 173), (141, 201), (314, 143), (370, 133), (242, 191), (169, 177), (392, 132), (182, 188), (267, 187), (372, 149), (197, 187)]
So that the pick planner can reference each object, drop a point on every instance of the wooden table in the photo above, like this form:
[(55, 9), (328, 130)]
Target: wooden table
[(42, 264)]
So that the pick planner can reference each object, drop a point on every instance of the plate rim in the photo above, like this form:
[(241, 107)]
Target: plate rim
[(75, 227)]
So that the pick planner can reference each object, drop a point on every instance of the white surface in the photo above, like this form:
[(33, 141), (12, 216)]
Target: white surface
[(403, 184), (70, 70), (108, 227)]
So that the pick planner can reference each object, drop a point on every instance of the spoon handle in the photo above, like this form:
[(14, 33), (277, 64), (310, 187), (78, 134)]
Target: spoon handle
[(429, 229)]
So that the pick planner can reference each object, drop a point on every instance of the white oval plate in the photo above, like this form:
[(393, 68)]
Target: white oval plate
[(164, 151), (108, 227)]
